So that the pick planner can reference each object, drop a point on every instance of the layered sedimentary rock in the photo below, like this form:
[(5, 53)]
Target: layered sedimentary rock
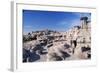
[(50, 45)]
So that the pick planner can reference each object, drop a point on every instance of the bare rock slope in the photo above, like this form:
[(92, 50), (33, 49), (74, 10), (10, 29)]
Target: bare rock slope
[(48, 45)]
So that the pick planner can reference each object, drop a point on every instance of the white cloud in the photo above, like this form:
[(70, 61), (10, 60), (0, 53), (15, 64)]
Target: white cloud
[(27, 26), (64, 22)]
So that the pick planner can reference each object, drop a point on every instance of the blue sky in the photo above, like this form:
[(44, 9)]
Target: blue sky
[(60, 21)]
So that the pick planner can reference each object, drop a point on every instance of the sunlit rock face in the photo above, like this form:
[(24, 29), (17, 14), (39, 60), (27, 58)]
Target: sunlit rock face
[(59, 52), (49, 45)]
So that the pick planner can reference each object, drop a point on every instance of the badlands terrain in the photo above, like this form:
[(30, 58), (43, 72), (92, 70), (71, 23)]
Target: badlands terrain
[(50, 45)]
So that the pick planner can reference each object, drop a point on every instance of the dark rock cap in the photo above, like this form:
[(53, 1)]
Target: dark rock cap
[(84, 18)]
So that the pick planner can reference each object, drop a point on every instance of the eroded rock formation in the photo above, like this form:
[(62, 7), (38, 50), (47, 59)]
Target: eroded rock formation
[(50, 45)]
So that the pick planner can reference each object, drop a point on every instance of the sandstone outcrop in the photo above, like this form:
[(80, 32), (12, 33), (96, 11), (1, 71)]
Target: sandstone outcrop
[(51, 45)]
